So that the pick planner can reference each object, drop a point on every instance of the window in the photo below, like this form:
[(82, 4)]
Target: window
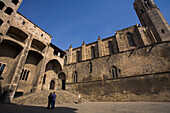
[(9, 10), (92, 52), (44, 78), (90, 67), (24, 74), (162, 31), (15, 2), (1, 5), (146, 4), (23, 22), (114, 72), (1, 21), (130, 39), (2, 67), (142, 11), (111, 51), (78, 56), (75, 80)]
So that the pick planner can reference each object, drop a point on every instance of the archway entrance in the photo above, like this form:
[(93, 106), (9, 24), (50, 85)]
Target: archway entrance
[(62, 77), (52, 84)]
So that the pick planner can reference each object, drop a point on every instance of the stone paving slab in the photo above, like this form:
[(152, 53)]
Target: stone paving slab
[(92, 107)]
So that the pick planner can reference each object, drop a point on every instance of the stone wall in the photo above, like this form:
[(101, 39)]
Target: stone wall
[(149, 87)]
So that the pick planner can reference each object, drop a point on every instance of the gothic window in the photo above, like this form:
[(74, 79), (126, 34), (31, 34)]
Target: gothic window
[(75, 76), (146, 3), (2, 66), (130, 39), (1, 21), (92, 52), (90, 67), (15, 2), (78, 56), (9, 10), (24, 74), (44, 78), (111, 51), (114, 72), (1, 5)]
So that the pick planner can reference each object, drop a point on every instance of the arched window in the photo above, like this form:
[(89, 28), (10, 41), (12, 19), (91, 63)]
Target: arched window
[(1, 5), (75, 77), (78, 56), (44, 78), (111, 51), (130, 39), (162, 31), (9, 10), (90, 67), (92, 52), (114, 72)]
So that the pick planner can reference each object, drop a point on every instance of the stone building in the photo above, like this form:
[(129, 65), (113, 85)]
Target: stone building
[(134, 62)]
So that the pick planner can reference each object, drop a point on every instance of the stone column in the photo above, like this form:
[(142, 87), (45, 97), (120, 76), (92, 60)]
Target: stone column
[(15, 80), (39, 84), (100, 47), (69, 54), (143, 35), (83, 54)]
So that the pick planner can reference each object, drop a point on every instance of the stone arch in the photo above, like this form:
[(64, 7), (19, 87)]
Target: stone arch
[(62, 78), (17, 34), (10, 49), (52, 69)]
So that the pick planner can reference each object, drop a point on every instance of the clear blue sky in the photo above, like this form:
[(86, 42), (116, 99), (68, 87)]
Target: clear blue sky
[(75, 21)]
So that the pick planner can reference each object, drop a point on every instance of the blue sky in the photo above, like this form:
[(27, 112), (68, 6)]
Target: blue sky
[(75, 21)]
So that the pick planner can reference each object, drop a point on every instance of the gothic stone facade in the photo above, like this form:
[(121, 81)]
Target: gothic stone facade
[(133, 64)]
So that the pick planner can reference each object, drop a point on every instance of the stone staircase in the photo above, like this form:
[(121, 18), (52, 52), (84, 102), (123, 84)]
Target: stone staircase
[(41, 98)]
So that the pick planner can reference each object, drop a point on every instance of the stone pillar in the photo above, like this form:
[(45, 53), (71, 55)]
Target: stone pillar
[(143, 35), (100, 47), (69, 54), (39, 85), (83, 54), (15, 80)]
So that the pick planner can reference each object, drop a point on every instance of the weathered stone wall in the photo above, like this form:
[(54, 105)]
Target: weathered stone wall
[(154, 87), (145, 60)]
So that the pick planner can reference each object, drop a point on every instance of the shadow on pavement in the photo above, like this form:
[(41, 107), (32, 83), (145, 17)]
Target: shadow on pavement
[(10, 108)]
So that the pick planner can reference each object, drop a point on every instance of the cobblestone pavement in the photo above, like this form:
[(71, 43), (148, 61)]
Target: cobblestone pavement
[(92, 107)]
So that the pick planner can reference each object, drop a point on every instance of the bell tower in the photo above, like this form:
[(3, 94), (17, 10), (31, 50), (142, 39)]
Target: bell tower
[(151, 18)]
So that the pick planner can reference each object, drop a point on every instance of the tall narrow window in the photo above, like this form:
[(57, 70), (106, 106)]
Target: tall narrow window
[(114, 72), (92, 52), (15, 2), (146, 3), (1, 21), (130, 39), (2, 68), (78, 56), (90, 67), (26, 77), (44, 78), (24, 74), (75, 80), (1, 5), (162, 31), (111, 51)]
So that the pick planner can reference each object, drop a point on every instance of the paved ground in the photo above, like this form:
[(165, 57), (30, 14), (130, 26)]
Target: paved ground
[(96, 107)]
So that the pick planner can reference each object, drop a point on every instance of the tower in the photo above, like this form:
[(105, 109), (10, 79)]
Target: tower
[(151, 18)]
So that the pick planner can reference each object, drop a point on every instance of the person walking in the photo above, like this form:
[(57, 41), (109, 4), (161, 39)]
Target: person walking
[(53, 100), (49, 100)]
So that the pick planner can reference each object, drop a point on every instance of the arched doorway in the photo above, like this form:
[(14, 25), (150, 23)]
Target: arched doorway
[(62, 77), (52, 84)]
